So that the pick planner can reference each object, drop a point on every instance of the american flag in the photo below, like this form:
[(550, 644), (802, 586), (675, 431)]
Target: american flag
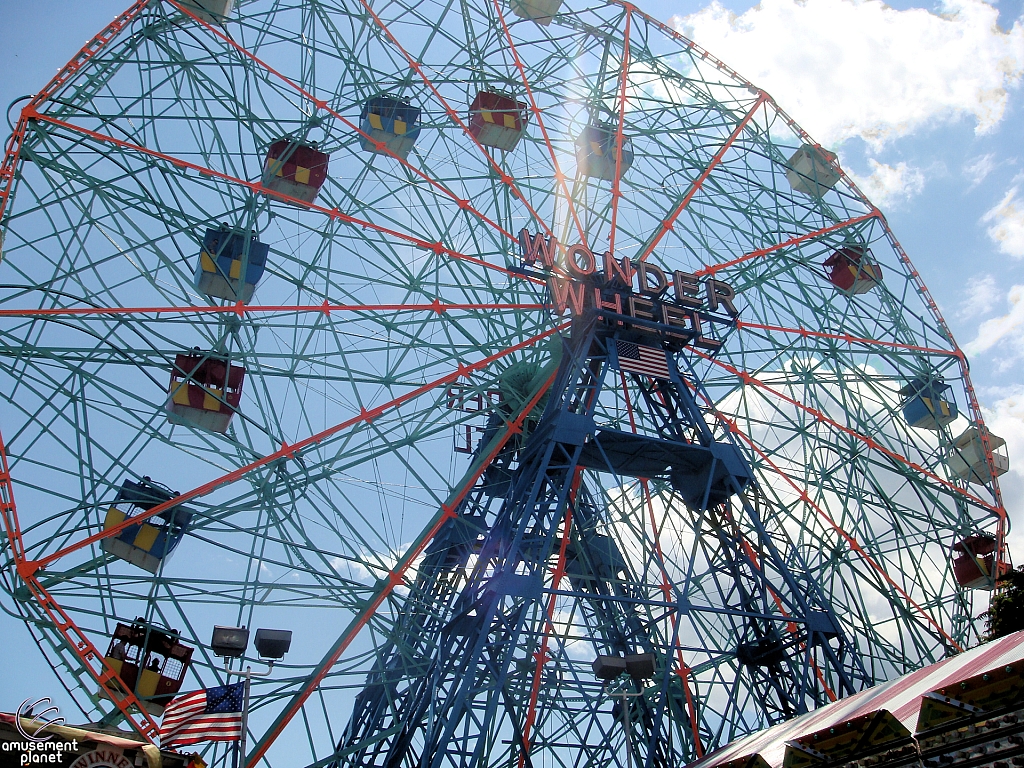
[(637, 358), (212, 714)]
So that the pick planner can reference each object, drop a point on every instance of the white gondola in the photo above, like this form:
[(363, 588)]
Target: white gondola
[(966, 459), (812, 170)]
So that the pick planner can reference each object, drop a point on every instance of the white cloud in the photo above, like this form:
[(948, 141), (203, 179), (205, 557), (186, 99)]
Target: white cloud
[(1007, 224), (857, 68), (977, 168), (888, 185), (992, 331), (981, 296)]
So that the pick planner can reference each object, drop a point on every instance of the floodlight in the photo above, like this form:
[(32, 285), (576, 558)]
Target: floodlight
[(640, 666), (273, 643), (608, 667), (230, 641)]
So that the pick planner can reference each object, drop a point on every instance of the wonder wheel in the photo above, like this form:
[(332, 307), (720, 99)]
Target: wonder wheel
[(562, 396)]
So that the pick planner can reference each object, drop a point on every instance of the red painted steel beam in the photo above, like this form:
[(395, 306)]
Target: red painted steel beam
[(28, 567), (791, 626), (559, 176), (713, 269), (848, 338), (321, 104), (395, 577), (541, 657), (870, 442), (437, 248), (669, 222), (683, 670), (240, 308)]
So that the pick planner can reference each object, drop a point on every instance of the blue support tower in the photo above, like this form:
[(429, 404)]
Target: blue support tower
[(477, 644)]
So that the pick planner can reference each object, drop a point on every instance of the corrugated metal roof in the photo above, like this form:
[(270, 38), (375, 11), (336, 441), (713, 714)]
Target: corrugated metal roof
[(901, 697)]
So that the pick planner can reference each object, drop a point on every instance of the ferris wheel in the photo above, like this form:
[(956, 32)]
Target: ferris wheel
[(563, 397)]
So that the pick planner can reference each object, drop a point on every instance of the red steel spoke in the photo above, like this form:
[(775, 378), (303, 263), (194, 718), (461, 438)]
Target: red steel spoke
[(505, 177), (617, 180), (541, 657), (395, 576), (549, 627), (849, 339), (670, 220), (791, 626), (715, 268), (7, 506), (9, 168), (240, 308), (870, 442), (321, 104), (682, 669), (28, 567), (437, 248), (805, 496), (821, 678), (76, 640), (559, 176)]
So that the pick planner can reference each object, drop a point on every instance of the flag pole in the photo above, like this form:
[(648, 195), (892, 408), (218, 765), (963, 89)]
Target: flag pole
[(240, 754), (248, 674)]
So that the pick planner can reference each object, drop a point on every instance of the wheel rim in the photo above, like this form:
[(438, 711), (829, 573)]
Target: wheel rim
[(363, 333)]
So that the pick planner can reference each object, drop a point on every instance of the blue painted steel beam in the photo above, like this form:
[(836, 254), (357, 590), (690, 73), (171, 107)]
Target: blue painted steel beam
[(438, 691)]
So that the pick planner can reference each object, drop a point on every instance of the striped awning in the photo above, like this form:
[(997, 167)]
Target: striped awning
[(901, 698)]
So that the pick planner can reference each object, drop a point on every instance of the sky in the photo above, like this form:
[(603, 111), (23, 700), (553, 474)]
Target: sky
[(923, 104)]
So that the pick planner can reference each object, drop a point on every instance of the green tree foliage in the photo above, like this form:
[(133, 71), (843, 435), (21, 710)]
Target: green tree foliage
[(1006, 614)]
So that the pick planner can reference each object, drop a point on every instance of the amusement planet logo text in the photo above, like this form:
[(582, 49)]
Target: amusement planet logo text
[(38, 747)]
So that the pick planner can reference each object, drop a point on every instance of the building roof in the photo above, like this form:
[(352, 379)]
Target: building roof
[(87, 738), (902, 698)]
